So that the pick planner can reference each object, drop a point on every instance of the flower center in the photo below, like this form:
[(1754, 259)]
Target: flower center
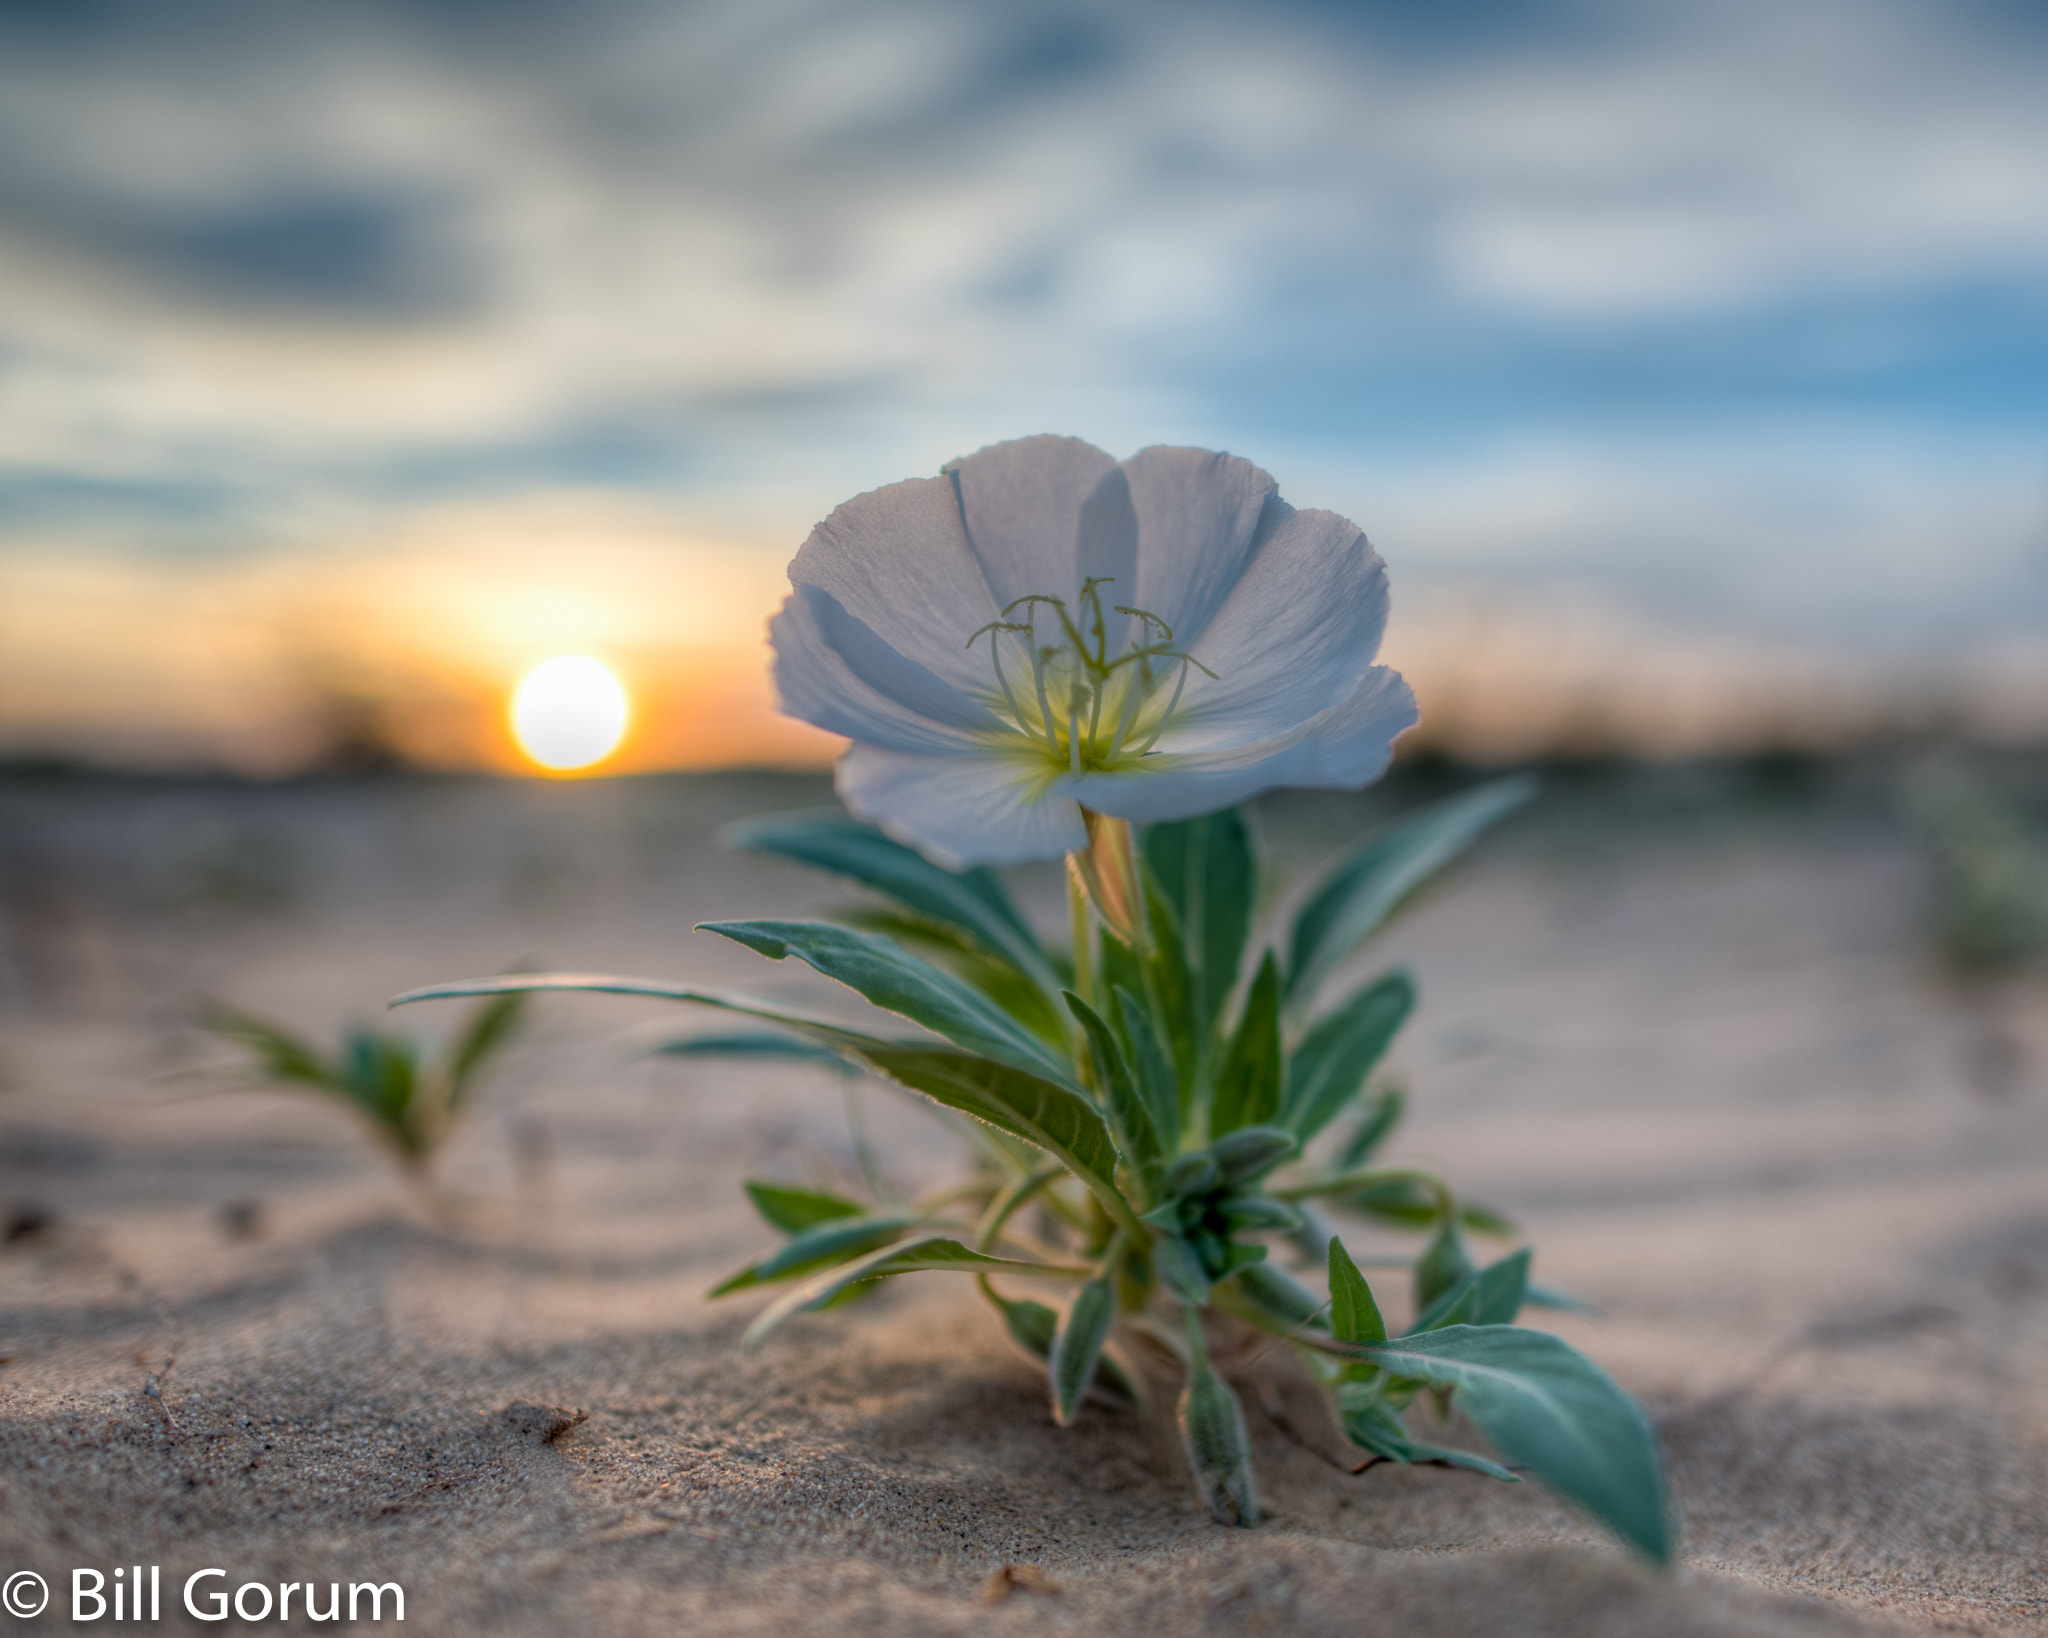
[(1060, 690)]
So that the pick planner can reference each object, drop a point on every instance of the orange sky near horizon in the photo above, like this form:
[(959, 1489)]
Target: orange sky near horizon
[(423, 630)]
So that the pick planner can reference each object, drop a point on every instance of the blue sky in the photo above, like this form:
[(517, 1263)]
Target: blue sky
[(1729, 318)]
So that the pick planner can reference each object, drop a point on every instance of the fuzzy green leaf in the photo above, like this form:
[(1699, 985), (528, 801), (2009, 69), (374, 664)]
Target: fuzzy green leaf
[(1219, 1453), (1077, 1346), (1358, 895), (1278, 1295), (1033, 1325), (1171, 986), (1442, 1267), (1129, 1115), (1205, 869), (1248, 1085), (1551, 1410), (1382, 1114), (1333, 1060), (1151, 1068), (754, 1043), (1493, 1296), (891, 977), (1180, 1270), (935, 1253), (971, 900), (793, 1210), (490, 1031), (1354, 1316), (820, 1246), (1061, 1122), (283, 1055)]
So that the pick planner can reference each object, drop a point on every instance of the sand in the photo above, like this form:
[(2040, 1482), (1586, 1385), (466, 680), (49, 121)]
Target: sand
[(1687, 1033)]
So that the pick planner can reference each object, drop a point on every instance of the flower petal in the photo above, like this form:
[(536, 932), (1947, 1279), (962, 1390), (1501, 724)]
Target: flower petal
[(1345, 747), (1035, 521), (1198, 517), (832, 670), (961, 810), (897, 559), (1294, 636)]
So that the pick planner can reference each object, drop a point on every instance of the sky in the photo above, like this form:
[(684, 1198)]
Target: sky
[(1687, 361)]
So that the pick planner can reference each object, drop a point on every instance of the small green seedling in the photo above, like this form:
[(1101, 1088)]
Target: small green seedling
[(410, 1098)]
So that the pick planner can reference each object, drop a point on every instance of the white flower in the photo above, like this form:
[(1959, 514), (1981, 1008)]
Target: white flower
[(1042, 629)]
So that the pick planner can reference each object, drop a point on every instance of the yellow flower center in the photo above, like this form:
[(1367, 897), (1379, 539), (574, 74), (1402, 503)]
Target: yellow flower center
[(1065, 699)]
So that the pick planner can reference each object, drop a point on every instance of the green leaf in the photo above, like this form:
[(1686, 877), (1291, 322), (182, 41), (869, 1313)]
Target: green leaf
[(754, 1043), (1180, 1270), (1382, 1114), (1354, 1316), (820, 1246), (283, 1055), (1206, 871), (892, 978), (1033, 1326), (1219, 1453), (1249, 1153), (1020, 995), (1442, 1267), (1548, 1296), (1172, 988), (971, 900), (1077, 1346), (1248, 1085), (1151, 1069), (1278, 1295), (1061, 1122), (1551, 1410), (793, 1210), (928, 1254), (1492, 1296), (1461, 1458), (491, 1028), (1333, 1060), (1058, 1120), (1128, 1113), (1357, 896)]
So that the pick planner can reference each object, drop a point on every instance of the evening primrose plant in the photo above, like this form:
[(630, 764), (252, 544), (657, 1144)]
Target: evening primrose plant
[(1157, 1106)]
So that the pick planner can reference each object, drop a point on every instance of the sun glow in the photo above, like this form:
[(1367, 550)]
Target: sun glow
[(569, 713)]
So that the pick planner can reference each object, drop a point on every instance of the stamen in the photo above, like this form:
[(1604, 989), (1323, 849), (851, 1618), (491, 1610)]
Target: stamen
[(1166, 716)]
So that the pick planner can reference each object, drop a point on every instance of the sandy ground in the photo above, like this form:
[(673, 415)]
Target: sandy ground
[(1685, 1033)]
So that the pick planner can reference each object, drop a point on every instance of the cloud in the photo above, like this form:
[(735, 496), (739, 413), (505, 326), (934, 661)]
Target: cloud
[(1726, 309)]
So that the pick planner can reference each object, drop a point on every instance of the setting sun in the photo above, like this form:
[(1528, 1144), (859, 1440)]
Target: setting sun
[(569, 713)]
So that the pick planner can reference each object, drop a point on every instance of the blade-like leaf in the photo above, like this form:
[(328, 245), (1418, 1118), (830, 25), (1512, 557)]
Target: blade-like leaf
[(1061, 1122), (1180, 1270), (284, 1056), (1129, 1116), (1077, 1346), (754, 1043), (1382, 1114), (490, 1030), (1172, 989), (1549, 1409), (1248, 1084), (1206, 871), (1333, 1060), (1278, 1295), (1358, 895), (1151, 1069), (793, 1210), (821, 1246), (1020, 995), (892, 978), (1442, 1267), (1058, 1120), (1354, 1316), (1033, 1326), (1493, 1296), (927, 1254), (971, 900)]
